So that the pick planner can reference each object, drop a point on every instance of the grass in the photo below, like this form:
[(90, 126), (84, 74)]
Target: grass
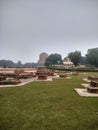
[(48, 106)]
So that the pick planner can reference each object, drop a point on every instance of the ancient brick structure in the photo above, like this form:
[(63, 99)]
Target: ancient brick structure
[(42, 58), (42, 74), (93, 88)]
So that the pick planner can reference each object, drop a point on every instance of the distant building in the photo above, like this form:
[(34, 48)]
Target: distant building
[(68, 63), (42, 59)]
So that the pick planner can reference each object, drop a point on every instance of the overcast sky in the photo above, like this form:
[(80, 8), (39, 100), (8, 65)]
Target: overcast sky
[(29, 27)]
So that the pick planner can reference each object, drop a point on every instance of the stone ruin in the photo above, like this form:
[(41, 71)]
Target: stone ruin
[(42, 74), (50, 72), (93, 78), (62, 74), (8, 78), (93, 87), (75, 73), (13, 78)]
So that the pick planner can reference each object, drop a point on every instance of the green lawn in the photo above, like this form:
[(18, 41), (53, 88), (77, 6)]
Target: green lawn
[(48, 106)]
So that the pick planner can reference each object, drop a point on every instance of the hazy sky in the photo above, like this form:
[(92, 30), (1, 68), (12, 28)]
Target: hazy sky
[(29, 27)]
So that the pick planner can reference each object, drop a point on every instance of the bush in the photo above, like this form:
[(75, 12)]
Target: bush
[(86, 69)]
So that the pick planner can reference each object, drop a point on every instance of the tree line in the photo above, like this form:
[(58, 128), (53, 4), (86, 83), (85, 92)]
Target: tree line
[(19, 64), (90, 59)]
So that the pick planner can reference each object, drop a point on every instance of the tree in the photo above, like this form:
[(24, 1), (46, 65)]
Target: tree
[(29, 65), (19, 64), (7, 63), (53, 59), (92, 57), (83, 60), (11, 64), (75, 57)]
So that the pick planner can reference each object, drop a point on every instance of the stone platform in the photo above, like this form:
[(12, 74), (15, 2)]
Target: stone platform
[(83, 92), (87, 80), (85, 85)]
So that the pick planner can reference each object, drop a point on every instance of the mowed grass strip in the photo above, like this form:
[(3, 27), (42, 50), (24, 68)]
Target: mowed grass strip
[(48, 106)]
